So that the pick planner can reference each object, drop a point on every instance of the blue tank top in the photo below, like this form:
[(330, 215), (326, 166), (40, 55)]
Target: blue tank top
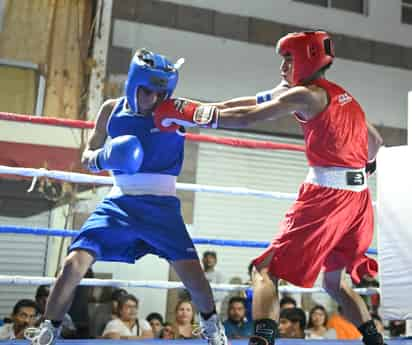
[(163, 152)]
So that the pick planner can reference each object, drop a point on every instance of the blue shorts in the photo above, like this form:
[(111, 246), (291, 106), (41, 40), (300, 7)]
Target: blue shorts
[(128, 227)]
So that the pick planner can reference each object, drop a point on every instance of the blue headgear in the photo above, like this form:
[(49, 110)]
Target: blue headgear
[(152, 71)]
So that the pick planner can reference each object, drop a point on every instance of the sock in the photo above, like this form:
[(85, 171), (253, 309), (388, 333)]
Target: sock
[(370, 335), (206, 316), (267, 329)]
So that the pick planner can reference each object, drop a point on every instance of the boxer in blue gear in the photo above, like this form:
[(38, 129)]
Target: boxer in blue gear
[(141, 214)]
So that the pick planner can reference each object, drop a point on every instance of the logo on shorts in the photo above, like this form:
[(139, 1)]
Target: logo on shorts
[(191, 250), (344, 99), (354, 178)]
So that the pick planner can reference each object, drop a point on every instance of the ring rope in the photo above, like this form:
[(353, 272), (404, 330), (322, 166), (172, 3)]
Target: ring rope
[(200, 240), (108, 180), (246, 143), (157, 284)]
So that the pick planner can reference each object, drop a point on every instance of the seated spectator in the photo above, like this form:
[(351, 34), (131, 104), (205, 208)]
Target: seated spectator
[(105, 313), (167, 331), (128, 325), (25, 313), (344, 328), (224, 306), (184, 325), (292, 323), (237, 326), (397, 328), (156, 322), (68, 328), (317, 325), (287, 302)]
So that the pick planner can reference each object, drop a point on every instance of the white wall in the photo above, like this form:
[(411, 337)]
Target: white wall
[(383, 22), (218, 68)]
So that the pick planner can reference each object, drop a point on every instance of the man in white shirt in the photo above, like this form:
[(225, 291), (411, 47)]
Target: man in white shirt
[(209, 261), (128, 325), (24, 315)]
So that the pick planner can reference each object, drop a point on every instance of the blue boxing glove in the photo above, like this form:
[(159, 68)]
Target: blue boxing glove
[(124, 154)]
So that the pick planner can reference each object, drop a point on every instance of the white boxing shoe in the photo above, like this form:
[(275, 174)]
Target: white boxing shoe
[(213, 330), (45, 334)]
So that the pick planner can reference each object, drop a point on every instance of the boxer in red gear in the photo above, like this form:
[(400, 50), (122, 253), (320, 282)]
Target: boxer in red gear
[(330, 225)]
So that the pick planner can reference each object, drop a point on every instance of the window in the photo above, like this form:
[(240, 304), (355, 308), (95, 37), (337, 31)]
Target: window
[(406, 11), (357, 6), (22, 86)]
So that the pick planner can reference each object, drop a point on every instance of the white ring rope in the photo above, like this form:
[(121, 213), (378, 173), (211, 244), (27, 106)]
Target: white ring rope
[(107, 180), (157, 284)]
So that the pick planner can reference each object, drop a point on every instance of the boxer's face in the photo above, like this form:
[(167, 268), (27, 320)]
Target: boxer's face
[(286, 68), (147, 100)]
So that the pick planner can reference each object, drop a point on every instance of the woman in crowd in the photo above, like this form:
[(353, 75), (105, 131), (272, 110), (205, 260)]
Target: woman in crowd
[(317, 329), (185, 327)]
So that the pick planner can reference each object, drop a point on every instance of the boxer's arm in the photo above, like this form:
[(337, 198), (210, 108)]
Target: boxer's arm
[(247, 101), (375, 141), (230, 103), (261, 97), (305, 101), (98, 135)]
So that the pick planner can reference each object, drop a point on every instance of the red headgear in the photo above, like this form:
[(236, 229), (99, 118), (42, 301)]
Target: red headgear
[(310, 50)]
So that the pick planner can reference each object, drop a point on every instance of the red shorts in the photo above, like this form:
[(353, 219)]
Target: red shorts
[(327, 229)]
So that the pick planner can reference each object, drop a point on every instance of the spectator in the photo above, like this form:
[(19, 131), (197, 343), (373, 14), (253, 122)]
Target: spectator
[(24, 315), (344, 328), (397, 328), (292, 323), (317, 325), (184, 326), (128, 325), (167, 331), (209, 261), (237, 326), (224, 306), (68, 328), (156, 322), (287, 302), (105, 313)]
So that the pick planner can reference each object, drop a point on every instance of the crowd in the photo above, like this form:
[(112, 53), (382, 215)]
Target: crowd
[(120, 319)]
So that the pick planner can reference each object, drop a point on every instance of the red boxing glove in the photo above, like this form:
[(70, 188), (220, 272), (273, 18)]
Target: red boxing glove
[(173, 113)]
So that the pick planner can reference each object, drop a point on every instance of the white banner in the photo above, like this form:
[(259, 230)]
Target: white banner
[(394, 204)]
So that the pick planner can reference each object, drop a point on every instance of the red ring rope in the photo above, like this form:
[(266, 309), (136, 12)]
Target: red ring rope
[(247, 143)]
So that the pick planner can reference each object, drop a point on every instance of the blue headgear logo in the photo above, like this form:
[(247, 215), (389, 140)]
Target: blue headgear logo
[(152, 71)]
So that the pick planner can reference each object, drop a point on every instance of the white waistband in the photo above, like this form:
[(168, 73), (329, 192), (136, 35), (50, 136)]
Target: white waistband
[(336, 177), (143, 184)]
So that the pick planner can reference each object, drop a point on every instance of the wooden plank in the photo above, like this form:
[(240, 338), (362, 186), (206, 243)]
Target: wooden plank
[(26, 28)]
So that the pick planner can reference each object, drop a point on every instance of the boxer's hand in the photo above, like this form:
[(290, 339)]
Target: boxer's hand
[(370, 168), (178, 112), (124, 153)]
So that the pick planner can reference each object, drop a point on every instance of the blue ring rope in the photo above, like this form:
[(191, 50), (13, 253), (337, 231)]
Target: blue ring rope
[(73, 233)]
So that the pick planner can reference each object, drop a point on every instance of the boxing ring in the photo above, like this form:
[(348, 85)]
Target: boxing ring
[(96, 180)]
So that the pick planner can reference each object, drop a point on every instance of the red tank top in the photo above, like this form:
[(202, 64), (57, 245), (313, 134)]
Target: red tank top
[(337, 136)]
